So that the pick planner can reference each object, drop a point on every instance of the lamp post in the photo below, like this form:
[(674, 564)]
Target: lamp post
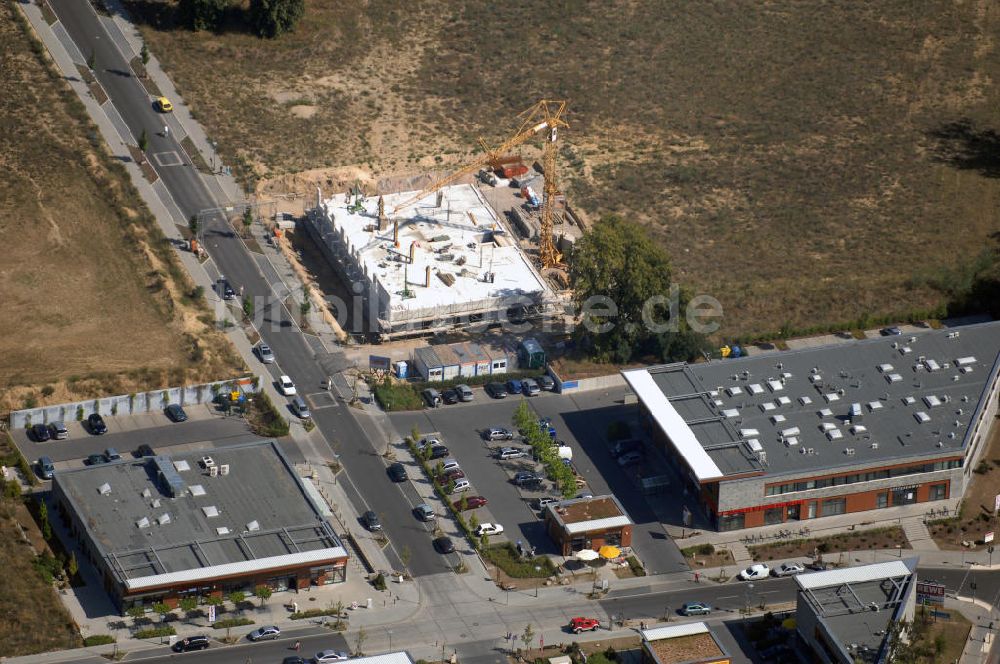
[(749, 595), (213, 157), (538, 569), (389, 632)]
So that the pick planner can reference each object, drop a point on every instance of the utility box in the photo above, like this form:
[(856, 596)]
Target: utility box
[(530, 354)]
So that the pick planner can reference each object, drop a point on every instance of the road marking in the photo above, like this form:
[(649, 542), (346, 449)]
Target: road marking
[(170, 158), (728, 597)]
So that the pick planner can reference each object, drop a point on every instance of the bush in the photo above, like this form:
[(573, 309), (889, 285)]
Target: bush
[(706, 550), (635, 566), (314, 613), (231, 622), (98, 640), (379, 582), (505, 557), (155, 632)]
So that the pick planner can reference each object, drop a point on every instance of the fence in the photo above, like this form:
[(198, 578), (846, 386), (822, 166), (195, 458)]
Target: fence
[(130, 404)]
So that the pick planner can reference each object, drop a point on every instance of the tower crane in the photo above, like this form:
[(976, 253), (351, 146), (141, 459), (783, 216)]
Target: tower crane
[(545, 114)]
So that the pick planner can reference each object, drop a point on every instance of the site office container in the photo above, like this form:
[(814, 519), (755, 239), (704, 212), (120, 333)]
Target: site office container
[(513, 170)]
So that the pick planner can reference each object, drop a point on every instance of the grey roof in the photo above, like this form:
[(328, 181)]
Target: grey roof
[(253, 509), (918, 408), (857, 614), (427, 355)]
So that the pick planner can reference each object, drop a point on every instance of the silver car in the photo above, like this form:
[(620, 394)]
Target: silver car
[(464, 392), (59, 430), (265, 353)]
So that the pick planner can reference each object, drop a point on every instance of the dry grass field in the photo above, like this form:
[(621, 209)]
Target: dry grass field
[(94, 302), (807, 163)]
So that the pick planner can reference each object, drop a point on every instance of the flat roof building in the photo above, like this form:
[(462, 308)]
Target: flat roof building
[(588, 523), (691, 643), (442, 262), (200, 523), (817, 432), (846, 615)]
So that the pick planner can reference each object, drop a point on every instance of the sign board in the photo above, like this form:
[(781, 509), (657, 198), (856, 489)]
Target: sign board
[(988, 537), (996, 503), (211, 613), (930, 593), (378, 363)]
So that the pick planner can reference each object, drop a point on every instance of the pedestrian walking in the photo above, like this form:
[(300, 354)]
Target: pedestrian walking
[(697, 577), (297, 646), (166, 131)]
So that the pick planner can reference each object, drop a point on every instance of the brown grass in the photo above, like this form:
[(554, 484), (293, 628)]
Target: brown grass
[(828, 547), (95, 302), (976, 516), (790, 164)]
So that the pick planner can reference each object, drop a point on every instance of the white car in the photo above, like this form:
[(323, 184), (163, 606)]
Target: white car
[(788, 569), (424, 442), (754, 572), (324, 656), (630, 459), (287, 386), (488, 529)]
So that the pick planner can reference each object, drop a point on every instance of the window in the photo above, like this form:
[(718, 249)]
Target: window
[(774, 515), (882, 500), (837, 480), (731, 522), (938, 492), (834, 506)]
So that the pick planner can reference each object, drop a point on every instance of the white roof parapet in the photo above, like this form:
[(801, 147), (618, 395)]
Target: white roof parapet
[(672, 423), (838, 577), (657, 633), (597, 524)]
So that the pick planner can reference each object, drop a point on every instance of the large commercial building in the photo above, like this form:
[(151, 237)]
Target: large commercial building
[(200, 523), (799, 435)]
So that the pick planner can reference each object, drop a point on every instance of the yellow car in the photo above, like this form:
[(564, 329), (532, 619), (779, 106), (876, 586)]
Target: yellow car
[(164, 105)]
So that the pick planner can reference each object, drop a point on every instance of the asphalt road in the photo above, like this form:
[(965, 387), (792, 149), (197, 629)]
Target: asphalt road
[(306, 364)]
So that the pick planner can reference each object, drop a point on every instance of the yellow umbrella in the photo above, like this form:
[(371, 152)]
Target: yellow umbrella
[(608, 551)]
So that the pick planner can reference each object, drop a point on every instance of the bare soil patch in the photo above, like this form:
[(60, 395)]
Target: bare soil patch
[(877, 538), (976, 516)]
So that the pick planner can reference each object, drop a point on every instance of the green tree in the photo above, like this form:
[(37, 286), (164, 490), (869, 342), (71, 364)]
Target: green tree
[(214, 600), (528, 635), (188, 605), (143, 141), (92, 60), (248, 307), (144, 54), (263, 593), (247, 221), (136, 612), (484, 542), (237, 597), (194, 224), (306, 305), (202, 14), (43, 520), (162, 609), (271, 18), (473, 521)]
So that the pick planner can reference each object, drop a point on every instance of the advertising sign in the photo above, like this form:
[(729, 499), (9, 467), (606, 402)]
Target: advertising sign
[(930, 593)]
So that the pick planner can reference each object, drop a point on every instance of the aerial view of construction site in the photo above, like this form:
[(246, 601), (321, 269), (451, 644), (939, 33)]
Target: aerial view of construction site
[(548, 333)]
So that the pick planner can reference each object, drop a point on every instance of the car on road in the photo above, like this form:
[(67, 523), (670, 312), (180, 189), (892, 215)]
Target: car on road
[(449, 396), (45, 468), (424, 512), (370, 520), (111, 454), (40, 433), (465, 393), (325, 656), (96, 424), (754, 572), (506, 453), (788, 569), (432, 397), (444, 544), (176, 413), (294, 659), (471, 503), (300, 408), (286, 386), (226, 290), (580, 624), (488, 529), (191, 643), (498, 433), (890, 331), (513, 386), (266, 633), (59, 430), (818, 566), (163, 105), (265, 353), (95, 459), (525, 477), (460, 486), (397, 472), (529, 387), (546, 383), (630, 459), (144, 451), (695, 609), (496, 390)]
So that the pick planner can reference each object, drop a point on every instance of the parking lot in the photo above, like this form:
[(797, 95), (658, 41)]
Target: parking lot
[(580, 420)]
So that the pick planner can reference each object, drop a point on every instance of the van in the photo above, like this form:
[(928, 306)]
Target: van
[(111, 454), (432, 397), (45, 468), (300, 408)]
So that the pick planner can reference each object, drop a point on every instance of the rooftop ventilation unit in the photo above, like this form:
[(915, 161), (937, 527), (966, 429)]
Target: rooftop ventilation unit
[(734, 391), (210, 511), (874, 405), (893, 378), (849, 451), (731, 412), (146, 493), (909, 400), (747, 433), (966, 370), (792, 441), (953, 335), (816, 379), (169, 478), (805, 401), (224, 469), (827, 426), (930, 401), (196, 490), (182, 466), (922, 417), (155, 503), (826, 412), (774, 385), (163, 519), (885, 368), (213, 471), (782, 401), (222, 530), (932, 365), (858, 429), (253, 526), (905, 350), (811, 450), (831, 396), (777, 419), (142, 523), (767, 406), (104, 489), (755, 445), (834, 434), (874, 446), (965, 361), (789, 432)]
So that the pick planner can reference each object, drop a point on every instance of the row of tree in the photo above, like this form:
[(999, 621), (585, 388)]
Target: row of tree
[(265, 18)]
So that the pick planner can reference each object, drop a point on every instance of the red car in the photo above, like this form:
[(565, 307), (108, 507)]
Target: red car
[(471, 503), (448, 476), (577, 625)]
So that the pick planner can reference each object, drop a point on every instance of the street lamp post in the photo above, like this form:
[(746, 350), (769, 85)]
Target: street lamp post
[(990, 551), (538, 569), (389, 632), (748, 597), (213, 157)]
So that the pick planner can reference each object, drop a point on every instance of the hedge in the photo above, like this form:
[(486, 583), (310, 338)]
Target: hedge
[(98, 640), (155, 632)]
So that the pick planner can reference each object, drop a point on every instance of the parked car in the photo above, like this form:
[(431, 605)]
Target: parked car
[(397, 472), (95, 459), (498, 433), (452, 475), (144, 451), (111, 454), (514, 386), (754, 572), (496, 390), (326, 656), (286, 386), (424, 442), (449, 396), (542, 503), (96, 424), (507, 453), (191, 643), (40, 433), (488, 529), (818, 566), (300, 408), (579, 624), (460, 486), (450, 464), (525, 477), (424, 512), (546, 383), (266, 633), (265, 353), (444, 544), (439, 452), (370, 520), (226, 290), (45, 468), (464, 392), (630, 458), (890, 331), (59, 430), (471, 503), (432, 397), (294, 659), (695, 609), (625, 446), (788, 569), (529, 387), (176, 413)]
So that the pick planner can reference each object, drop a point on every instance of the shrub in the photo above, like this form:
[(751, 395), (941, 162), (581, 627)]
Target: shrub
[(635, 566), (155, 632), (231, 622), (314, 613), (706, 550), (379, 581), (98, 640)]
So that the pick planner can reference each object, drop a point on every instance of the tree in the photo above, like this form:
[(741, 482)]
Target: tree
[(248, 307), (359, 643), (247, 221), (92, 60), (143, 141), (72, 567), (214, 600), (144, 55), (161, 609), (136, 612), (271, 18), (263, 593), (202, 14), (43, 520), (306, 305), (237, 597), (194, 225), (188, 605), (616, 272), (484, 542), (473, 521), (528, 636)]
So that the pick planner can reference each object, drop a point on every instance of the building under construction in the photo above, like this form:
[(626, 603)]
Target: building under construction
[(442, 262)]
